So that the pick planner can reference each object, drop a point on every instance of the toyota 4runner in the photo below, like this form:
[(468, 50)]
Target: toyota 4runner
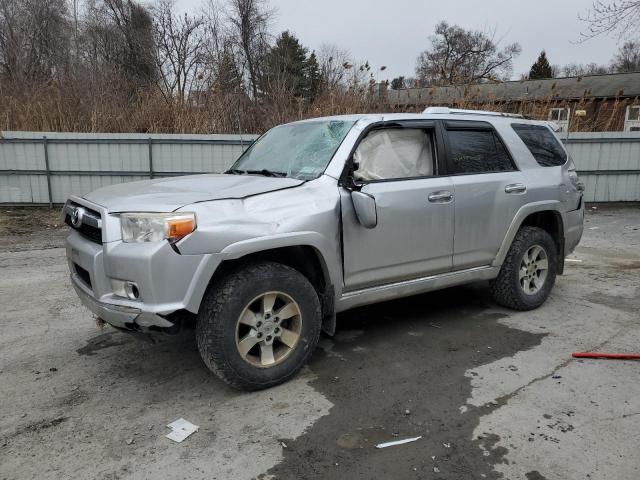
[(323, 215)]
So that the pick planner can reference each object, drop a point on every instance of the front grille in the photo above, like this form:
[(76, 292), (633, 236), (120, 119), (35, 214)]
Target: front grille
[(92, 233), (90, 228), (83, 274)]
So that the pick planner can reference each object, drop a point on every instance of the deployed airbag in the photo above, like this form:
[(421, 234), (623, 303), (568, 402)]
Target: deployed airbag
[(394, 153)]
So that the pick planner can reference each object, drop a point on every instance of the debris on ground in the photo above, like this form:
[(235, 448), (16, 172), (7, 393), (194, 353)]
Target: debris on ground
[(610, 356), (555, 377), (398, 442), (181, 429)]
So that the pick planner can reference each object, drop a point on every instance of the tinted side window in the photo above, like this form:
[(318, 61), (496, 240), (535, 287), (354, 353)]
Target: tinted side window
[(477, 151), (542, 144)]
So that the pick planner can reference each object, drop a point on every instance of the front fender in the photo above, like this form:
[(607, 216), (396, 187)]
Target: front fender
[(327, 252)]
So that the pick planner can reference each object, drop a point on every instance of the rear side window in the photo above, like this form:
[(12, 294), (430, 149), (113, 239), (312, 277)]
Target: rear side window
[(477, 151), (542, 144)]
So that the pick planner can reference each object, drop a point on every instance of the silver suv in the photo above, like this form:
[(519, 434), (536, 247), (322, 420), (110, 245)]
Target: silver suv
[(321, 216)]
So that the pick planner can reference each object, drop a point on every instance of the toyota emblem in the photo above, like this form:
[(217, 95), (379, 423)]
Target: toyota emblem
[(76, 216)]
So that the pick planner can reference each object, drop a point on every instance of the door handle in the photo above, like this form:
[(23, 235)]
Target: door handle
[(515, 188), (442, 196)]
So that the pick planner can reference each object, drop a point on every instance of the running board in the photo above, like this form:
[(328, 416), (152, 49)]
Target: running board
[(391, 291)]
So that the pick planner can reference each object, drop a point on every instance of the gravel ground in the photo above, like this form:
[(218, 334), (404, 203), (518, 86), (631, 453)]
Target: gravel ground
[(493, 393)]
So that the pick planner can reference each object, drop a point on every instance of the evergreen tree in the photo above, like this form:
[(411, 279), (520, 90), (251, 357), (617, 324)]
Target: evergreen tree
[(312, 77), (541, 68), (397, 83), (228, 78), (285, 66)]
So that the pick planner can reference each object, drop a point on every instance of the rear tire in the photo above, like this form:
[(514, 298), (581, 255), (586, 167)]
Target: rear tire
[(528, 272), (259, 325)]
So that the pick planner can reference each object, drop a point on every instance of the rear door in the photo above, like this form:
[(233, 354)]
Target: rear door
[(488, 189)]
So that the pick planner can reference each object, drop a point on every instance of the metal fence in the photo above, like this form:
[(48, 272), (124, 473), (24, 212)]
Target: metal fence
[(608, 163), (45, 168)]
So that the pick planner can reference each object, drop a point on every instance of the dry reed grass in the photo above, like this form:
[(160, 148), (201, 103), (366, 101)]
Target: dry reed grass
[(74, 107)]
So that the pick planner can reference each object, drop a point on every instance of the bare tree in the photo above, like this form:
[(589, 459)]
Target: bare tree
[(249, 21), (628, 58), (180, 50), (614, 17), (135, 43), (579, 69), (459, 56), (33, 39), (215, 32), (332, 60)]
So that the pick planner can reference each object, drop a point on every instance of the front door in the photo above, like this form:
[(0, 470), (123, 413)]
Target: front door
[(415, 207)]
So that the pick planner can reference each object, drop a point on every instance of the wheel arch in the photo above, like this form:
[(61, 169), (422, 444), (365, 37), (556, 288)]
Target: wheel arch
[(308, 258), (545, 215)]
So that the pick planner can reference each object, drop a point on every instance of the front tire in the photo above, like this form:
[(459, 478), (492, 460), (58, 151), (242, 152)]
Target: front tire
[(528, 272), (258, 326)]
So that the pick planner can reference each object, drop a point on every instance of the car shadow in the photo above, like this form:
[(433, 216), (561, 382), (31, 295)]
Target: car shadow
[(177, 355), (399, 369)]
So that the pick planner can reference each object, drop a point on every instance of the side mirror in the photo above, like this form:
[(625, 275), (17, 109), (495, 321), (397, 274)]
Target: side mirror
[(365, 207)]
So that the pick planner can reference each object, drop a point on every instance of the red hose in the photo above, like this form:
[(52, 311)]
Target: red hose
[(617, 356)]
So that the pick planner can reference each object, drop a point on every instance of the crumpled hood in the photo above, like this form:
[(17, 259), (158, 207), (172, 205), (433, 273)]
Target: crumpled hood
[(168, 194)]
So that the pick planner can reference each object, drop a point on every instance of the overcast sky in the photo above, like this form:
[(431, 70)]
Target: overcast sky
[(393, 33)]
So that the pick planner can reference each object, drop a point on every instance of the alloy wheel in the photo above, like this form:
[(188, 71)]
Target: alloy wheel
[(268, 329), (533, 270)]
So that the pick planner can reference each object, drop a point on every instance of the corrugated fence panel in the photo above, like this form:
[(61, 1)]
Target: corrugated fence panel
[(76, 163), (197, 156), (23, 189), (64, 185), (608, 162), (98, 157), (22, 156)]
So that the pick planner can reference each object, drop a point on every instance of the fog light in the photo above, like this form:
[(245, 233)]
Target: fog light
[(131, 289), (125, 288)]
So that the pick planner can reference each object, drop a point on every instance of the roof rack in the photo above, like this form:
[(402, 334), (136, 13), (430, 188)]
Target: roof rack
[(459, 111)]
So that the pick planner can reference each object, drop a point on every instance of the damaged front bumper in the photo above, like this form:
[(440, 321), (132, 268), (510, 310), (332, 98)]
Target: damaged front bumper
[(166, 281), (120, 316)]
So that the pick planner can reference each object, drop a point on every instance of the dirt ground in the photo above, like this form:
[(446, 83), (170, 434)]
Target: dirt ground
[(24, 228), (493, 393)]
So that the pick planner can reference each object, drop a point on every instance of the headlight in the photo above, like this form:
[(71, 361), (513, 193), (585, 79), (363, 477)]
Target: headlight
[(153, 227)]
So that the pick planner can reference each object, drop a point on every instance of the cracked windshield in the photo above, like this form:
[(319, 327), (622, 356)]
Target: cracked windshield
[(298, 150)]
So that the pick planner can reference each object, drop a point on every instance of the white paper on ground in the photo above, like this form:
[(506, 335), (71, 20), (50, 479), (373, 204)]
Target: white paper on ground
[(181, 429), (398, 442)]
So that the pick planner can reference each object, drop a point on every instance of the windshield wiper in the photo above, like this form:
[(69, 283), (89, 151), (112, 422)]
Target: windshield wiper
[(266, 173)]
